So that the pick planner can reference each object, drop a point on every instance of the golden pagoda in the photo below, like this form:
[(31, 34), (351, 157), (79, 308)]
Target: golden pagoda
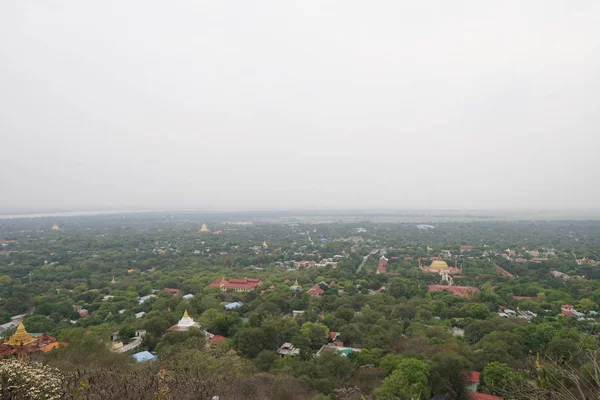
[(204, 228), (21, 337), (439, 265)]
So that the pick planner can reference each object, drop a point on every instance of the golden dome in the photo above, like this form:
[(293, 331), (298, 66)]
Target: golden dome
[(439, 265)]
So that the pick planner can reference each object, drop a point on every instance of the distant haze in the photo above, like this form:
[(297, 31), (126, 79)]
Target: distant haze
[(299, 104)]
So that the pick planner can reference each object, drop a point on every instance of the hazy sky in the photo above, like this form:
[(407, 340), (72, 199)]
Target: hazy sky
[(299, 104)]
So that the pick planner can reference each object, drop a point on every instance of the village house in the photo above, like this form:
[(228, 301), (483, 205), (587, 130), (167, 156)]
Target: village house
[(288, 349), (472, 381)]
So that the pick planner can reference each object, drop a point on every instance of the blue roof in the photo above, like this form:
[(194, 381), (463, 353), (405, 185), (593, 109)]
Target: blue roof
[(236, 304), (144, 356)]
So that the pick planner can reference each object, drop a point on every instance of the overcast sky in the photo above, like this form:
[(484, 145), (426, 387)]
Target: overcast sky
[(299, 104)]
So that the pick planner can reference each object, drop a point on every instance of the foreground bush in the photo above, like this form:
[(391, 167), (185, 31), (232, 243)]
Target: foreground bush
[(29, 381)]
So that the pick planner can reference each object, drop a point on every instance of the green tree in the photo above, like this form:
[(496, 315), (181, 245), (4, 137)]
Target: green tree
[(317, 334), (498, 375), (265, 359), (409, 381), (126, 333)]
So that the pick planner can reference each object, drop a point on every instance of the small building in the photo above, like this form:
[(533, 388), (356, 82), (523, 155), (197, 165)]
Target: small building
[(143, 356), (172, 291), (472, 381), (288, 349), (140, 314), (335, 340), (234, 305), (465, 249), (315, 291), (295, 313), (188, 296), (142, 299)]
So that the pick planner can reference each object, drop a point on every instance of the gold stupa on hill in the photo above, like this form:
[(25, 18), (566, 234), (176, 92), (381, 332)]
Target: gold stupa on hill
[(439, 265), (21, 337), (204, 228)]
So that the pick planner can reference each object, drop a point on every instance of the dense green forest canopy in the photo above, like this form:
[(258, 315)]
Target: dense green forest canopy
[(404, 341)]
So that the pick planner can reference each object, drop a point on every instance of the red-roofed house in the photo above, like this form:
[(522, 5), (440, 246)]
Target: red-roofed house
[(521, 260), (172, 291), (483, 396), (240, 285), (315, 291), (217, 339), (334, 339), (472, 381), (465, 249), (567, 313), (460, 291), (567, 307), (382, 266)]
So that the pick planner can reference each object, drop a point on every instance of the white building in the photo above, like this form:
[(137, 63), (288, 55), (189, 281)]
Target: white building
[(185, 323)]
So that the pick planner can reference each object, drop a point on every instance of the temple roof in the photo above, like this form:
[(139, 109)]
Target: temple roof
[(438, 264)]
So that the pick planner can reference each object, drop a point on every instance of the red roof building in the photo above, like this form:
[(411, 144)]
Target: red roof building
[(473, 376), (315, 291), (465, 248), (567, 313), (521, 260), (567, 307), (472, 381), (174, 292), (217, 339), (240, 285), (382, 266), (460, 291), (503, 272)]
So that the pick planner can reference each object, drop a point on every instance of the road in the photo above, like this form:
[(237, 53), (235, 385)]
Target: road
[(133, 345), (365, 258)]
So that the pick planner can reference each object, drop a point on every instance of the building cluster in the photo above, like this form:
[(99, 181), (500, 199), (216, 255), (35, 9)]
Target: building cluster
[(565, 277), (22, 344), (508, 313)]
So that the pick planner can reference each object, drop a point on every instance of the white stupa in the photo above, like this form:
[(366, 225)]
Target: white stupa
[(185, 323)]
